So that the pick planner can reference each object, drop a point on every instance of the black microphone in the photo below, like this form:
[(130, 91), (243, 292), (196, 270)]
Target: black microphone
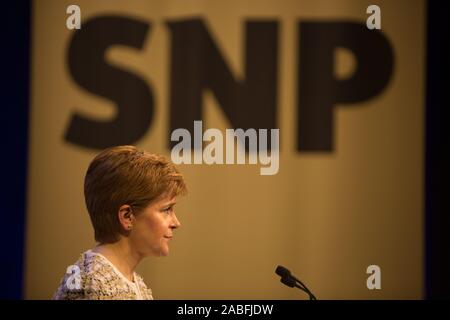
[(289, 280)]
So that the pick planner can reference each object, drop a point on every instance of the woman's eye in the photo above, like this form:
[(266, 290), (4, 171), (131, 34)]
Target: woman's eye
[(168, 210)]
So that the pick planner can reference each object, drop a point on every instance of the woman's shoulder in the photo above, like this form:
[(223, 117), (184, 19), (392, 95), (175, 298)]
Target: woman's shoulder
[(92, 263), (90, 277)]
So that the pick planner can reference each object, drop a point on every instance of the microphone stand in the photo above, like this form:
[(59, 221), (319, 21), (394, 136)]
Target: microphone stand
[(303, 287), (311, 296)]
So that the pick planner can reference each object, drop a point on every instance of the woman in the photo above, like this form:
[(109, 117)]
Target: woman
[(130, 196)]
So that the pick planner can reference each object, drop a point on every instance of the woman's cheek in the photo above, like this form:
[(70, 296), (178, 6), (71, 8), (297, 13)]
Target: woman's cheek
[(158, 224)]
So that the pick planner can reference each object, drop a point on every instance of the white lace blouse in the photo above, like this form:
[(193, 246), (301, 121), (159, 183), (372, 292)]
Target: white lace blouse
[(94, 277)]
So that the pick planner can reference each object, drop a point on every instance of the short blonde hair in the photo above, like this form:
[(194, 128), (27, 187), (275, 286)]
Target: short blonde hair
[(126, 175)]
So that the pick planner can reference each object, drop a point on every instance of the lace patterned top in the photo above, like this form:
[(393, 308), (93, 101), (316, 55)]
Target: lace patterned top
[(94, 277)]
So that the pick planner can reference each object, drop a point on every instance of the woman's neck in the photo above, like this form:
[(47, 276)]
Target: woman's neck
[(121, 256)]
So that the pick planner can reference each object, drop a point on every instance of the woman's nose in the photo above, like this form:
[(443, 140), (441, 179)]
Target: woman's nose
[(175, 222)]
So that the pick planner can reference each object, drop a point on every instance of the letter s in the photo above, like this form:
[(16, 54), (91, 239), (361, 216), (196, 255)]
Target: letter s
[(89, 69)]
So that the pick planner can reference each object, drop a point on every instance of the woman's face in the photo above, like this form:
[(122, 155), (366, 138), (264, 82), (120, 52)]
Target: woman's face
[(153, 228)]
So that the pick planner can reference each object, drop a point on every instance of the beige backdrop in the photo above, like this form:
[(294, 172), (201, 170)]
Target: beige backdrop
[(325, 216)]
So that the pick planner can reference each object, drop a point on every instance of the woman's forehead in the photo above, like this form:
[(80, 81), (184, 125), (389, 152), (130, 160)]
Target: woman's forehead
[(166, 199)]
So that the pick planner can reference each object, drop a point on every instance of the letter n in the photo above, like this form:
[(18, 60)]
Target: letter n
[(197, 64)]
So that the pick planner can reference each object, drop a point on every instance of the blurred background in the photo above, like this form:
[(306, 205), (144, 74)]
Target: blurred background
[(363, 141)]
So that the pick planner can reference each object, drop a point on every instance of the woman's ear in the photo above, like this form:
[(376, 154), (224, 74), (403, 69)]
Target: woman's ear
[(125, 216)]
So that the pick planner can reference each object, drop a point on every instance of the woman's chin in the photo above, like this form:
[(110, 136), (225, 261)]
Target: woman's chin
[(162, 252)]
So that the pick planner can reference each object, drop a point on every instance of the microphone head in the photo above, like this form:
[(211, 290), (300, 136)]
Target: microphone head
[(282, 272), (290, 282)]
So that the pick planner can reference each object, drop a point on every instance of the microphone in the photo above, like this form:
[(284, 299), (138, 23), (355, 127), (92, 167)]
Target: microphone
[(289, 280)]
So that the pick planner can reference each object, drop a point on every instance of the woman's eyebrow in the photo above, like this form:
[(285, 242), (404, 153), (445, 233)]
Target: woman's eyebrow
[(171, 203)]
